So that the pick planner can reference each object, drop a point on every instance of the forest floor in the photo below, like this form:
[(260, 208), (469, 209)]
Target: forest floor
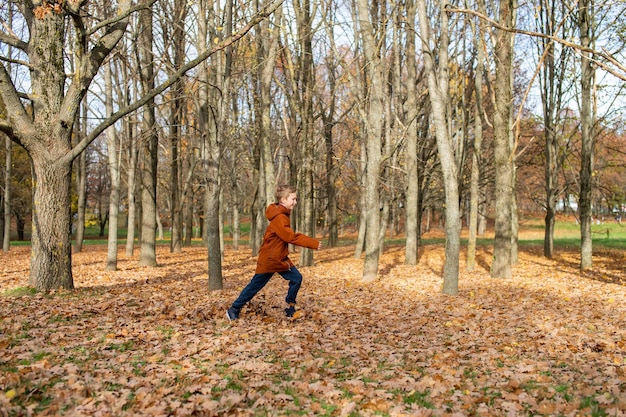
[(141, 341)]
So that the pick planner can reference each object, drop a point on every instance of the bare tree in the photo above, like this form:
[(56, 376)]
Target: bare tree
[(6, 229), (113, 148), (436, 67), (46, 135), (267, 38), (585, 27), (150, 142), (479, 31), (504, 152), (46, 131), (373, 135), (80, 167), (555, 64)]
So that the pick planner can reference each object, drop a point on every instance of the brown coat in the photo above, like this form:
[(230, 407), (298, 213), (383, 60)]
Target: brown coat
[(273, 255)]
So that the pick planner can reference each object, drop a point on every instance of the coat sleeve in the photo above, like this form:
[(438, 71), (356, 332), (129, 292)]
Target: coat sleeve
[(284, 231)]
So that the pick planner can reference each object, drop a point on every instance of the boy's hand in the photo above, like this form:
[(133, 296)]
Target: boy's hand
[(319, 246)]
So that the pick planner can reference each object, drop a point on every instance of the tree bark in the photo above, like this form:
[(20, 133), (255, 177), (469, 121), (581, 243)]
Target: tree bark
[(476, 154), (211, 128), (113, 147), (437, 76), (587, 137), (51, 260), (147, 254), (6, 234), (81, 185), (133, 156), (503, 154), (179, 14), (374, 132), (412, 178)]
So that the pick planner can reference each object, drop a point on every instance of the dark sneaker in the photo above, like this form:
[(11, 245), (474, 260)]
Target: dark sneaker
[(232, 314), (290, 311)]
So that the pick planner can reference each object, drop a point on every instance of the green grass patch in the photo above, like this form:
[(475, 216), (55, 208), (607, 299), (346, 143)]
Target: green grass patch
[(590, 406), (121, 347), (20, 292), (420, 398)]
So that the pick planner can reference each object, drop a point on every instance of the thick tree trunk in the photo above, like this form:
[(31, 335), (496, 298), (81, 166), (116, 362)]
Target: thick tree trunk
[(373, 132), (211, 128), (412, 179), (147, 254), (51, 261), (503, 154)]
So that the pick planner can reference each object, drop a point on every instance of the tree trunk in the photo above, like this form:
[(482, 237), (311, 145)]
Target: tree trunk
[(437, 77), (305, 79), (147, 254), (412, 179), (133, 156), (503, 154), (362, 226), (188, 217), (176, 210), (211, 144), (113, 146), (177, 108), (51, 261), (267, 50), (81, 185), (587, 137), (478, 137), (373, 135), (6, 235), (331, 189)]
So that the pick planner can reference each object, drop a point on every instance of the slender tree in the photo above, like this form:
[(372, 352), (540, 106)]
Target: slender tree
[(436, 68), (113, 148), (552, 19), (585, 27), (479, 46), (150, 143), (504, 153), (373, 135), (6, 198)]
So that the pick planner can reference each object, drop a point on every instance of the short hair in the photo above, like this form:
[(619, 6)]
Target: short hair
[(283, 191)]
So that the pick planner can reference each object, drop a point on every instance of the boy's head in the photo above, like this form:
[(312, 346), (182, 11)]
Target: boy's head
[(283, 192)]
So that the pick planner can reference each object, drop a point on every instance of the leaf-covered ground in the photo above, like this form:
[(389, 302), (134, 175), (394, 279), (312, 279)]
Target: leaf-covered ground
[(155, 342)]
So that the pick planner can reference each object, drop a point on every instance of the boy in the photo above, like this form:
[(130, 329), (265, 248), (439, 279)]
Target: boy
[(273, 255)]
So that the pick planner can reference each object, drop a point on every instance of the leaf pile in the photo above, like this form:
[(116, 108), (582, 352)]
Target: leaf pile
[(156, 342)]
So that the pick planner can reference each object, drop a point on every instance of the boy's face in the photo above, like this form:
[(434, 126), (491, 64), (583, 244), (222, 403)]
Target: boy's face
[(290, 201)]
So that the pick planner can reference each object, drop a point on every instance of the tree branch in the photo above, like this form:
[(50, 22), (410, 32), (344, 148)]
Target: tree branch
[(602, 54), (11, 39), (82, 145), (120, 16)]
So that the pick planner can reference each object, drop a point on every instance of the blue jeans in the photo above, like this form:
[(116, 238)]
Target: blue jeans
[(260, 280)]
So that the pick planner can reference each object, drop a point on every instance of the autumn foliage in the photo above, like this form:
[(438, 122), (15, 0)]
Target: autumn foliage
[(155, 342)]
